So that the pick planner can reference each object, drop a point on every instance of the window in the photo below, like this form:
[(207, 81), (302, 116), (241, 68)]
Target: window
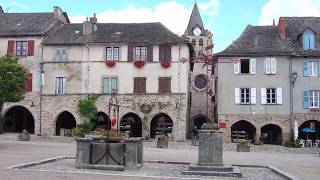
[(200, 42), (61, 54), (110, 84), (271, 96), (140, 53), (201, 81), (244, 66), (270, 65), (60, 85), (164, 53), (139, 85), (245, 96), (309, 40), (112, 53), (314, 99), (164, 84), (21, 48), (193, 42), (313, 68)]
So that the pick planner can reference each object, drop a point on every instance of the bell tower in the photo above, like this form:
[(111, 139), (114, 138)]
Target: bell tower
[(200, 106)]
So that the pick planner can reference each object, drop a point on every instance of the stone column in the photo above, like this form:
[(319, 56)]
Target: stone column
[(131, 153), (210, 148), (83, 154), (140, 151)]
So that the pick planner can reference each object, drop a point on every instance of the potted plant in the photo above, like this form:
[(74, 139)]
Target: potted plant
[(165, 64), (163, 141), (243, 146), (139, 64), (110, 63), (24, 136)]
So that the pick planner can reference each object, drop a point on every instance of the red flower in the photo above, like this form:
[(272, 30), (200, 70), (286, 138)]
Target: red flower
[(113, 122), (165, 64), (110, 63), (139, 64)]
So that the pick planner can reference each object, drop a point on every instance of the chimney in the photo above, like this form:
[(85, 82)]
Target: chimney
[(273, 22), (1, 10), (93, 19), (57, 11), (282, 25)]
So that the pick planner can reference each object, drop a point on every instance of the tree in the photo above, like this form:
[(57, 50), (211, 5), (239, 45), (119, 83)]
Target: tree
[(12, 81)]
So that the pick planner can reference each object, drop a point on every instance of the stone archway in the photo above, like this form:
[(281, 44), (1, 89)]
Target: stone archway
[(102, 120), (243, 130), (18, 118), (272, 134), (160, 123), (131, 122), (65, 123), (199, 119), (312, 124)]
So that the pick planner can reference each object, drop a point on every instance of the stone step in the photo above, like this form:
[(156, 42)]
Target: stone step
[(225, 168), (106, 167), (213, 173)]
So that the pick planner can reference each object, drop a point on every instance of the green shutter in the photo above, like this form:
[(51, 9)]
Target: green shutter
[(114, 84), (306, 99), (106, 84), (305, 68)]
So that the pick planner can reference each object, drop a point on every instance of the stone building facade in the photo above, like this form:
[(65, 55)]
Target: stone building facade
[(201, 84), (268, 82)]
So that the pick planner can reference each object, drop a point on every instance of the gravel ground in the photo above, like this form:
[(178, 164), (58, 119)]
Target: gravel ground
[(159, 169)]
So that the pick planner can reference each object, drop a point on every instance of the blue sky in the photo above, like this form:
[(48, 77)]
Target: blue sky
[(225, 18)]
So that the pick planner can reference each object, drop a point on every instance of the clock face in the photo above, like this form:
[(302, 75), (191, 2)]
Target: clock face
[(197, 31)]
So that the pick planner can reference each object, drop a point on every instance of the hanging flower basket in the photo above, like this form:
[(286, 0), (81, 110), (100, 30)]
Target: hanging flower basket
[(165, 64), (110, 63), (139, 64)]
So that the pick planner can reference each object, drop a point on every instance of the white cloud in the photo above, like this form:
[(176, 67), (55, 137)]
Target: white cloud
[(273, 9), (210, 8), (173, 15)]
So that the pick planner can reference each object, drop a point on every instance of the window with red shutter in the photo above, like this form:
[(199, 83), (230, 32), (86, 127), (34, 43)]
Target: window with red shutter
[(10, 49), (164, 53), (139, 85), (164, 84), (30, 47), (28, 84)]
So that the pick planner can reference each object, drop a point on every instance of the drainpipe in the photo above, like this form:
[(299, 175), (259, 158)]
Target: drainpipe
[(291, 94), (88, 69), (41, 86), (179, 90)]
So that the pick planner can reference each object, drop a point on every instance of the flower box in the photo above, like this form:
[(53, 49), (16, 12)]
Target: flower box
[(165, 64), (139, 64), (110, 63)]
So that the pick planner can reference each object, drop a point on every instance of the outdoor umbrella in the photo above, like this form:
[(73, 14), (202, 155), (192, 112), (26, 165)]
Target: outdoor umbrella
[(296, 131), (308, 130)]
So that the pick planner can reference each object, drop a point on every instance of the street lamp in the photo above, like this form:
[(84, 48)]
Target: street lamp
[(294, 77)]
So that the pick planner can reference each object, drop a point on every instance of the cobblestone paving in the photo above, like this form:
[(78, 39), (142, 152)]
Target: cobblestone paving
[(163, 170)]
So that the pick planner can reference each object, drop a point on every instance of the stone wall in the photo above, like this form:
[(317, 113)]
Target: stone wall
[(258, 121), (53, 105)]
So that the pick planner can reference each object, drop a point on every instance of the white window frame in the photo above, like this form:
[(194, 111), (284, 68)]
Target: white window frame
[(60, 89), (23, 50), (270, 65), (59, 57), (270, 96), (110, 84), (137, 53), (313, 68), (113, 56), (314, 98), (245, 95)]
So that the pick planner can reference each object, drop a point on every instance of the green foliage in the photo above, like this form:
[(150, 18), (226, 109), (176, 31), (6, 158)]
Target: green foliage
[(292, 143), (87, 107), (163, 137), (25, 132), (12, 81), (243, 142), (83, 128)]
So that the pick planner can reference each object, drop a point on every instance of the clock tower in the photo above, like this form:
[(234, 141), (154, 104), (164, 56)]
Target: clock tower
[(200, 105)]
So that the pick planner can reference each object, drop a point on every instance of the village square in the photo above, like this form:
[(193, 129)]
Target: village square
[(94, 99)]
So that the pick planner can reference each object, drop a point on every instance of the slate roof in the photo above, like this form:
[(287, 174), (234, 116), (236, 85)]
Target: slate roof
[(148, 33), (266, 40), (195, 20), (25, 24)]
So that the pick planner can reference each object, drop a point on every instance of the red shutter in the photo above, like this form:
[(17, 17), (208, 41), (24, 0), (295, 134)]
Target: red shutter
[(10, 49), (28, 85), (162, 53), (30, 47)]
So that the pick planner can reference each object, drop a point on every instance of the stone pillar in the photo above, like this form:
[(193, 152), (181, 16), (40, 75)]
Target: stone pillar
[(131, 153), (83, 154), (140, 151), (210, 148)]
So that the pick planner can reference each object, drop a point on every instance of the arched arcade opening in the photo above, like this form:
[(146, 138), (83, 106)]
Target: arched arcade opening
[(65, 123), (199, 120), (161, 123), (309, 130), (271, 134), (243, 130), (102, 121), (18, 118), (132, 123)]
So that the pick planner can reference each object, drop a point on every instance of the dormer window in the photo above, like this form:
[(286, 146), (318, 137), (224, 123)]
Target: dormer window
[(309, 40)]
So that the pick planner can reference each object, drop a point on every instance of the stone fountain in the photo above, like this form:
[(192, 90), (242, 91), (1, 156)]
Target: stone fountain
[(210, 151)]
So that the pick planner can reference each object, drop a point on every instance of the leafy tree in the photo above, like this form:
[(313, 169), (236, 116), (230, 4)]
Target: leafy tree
[(12, 81), (87, 107)]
